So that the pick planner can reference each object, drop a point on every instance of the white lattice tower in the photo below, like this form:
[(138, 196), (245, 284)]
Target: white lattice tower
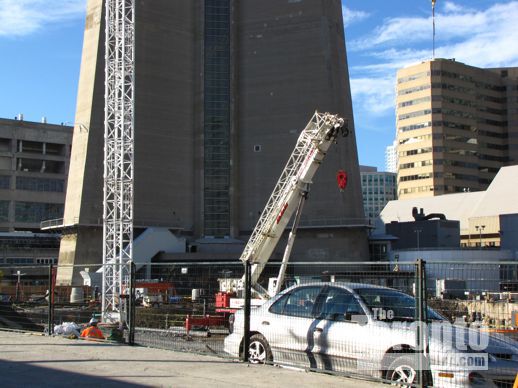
[(118, 153)]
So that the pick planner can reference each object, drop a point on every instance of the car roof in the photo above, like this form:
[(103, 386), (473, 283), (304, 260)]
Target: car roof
[(347, 285)]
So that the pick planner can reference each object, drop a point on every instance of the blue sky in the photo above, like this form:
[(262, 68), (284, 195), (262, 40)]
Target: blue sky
[(41, 42)]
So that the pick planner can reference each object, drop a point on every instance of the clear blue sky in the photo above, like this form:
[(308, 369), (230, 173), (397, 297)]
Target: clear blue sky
[(41, 42)]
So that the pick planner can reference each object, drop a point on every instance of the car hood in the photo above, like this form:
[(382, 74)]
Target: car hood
[(462, 339)]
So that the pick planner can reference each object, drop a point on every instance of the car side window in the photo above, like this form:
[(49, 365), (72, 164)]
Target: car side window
[(298, 303), (340, 305), (278, 306)]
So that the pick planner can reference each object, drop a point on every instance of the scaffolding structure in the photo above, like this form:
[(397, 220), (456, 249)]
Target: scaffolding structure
[(118, 154)]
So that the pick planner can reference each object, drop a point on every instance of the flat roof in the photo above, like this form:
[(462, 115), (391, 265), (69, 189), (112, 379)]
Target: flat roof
[(499, 198)]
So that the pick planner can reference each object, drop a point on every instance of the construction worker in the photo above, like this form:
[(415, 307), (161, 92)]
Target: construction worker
[(92, 331)]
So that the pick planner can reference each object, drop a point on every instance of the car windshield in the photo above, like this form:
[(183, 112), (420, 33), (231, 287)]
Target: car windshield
[(386, 304)]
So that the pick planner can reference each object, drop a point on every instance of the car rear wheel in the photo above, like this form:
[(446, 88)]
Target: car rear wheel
[(402, 371), (259, 351)]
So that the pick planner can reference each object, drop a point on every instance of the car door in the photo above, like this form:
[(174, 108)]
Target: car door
[(341, 332), (288, 326)]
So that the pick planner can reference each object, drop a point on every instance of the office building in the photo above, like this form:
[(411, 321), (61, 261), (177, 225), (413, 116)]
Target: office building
[(378, 188), (456, 126), (34, 159), (391, 157), (223, 89)]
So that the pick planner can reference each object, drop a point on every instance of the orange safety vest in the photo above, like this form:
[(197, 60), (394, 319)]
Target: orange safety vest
[(92, 332)]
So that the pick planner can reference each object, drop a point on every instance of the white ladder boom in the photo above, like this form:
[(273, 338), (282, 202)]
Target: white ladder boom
[(310, 150)]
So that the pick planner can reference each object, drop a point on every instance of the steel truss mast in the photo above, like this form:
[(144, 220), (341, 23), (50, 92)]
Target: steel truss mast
[(118, 153)]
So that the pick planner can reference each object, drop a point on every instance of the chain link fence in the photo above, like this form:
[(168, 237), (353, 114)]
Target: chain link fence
[(415, 323)]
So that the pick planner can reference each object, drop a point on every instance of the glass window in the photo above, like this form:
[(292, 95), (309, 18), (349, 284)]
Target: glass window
[(5, 181), (34, 147), (54, 149), (298, 303), (37, 212), (40, 184), (4, 211), (217, 118), (340, 305), (401, 305)]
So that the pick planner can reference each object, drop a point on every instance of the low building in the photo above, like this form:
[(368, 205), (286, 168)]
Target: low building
[(479, 213), (424, 234)]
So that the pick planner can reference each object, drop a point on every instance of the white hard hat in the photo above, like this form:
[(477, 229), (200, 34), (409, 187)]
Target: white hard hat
[(92, 321)]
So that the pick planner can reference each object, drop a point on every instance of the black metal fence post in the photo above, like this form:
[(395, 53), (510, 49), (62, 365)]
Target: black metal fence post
[(421, 320), (131, 307), (248, 295), (50, 317)]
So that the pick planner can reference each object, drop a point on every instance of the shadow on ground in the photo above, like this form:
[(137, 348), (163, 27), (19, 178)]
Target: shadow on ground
[(22, 374)]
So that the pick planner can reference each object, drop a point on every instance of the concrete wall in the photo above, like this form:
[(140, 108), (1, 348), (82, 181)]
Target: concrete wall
[(292, 62), (288, 59)]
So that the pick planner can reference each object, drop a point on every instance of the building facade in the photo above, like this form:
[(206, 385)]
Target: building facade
[(482, 214), (223, 89), (34, 161), (378, 188), (456, 126), (391, 157)]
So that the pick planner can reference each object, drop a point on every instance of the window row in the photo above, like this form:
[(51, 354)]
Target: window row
[(40, 184), (413, 127), (415, 177), (415, 101), (419, 189), (36, 212), (409, 115), (42, 166), (414, 89), (422, 163), (417, 139), (468, 78), (455, 163), (378, 178), (413, 77), (415, 151)]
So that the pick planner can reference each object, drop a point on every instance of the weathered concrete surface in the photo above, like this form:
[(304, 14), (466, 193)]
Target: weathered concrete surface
[(39, 361)]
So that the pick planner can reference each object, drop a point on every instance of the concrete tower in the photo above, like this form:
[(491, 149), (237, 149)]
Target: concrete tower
[(223, 89)]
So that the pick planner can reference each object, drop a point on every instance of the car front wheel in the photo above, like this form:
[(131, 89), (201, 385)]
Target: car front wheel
[(259, 351)]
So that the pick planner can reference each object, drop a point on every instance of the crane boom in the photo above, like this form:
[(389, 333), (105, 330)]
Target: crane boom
[(310, 150)]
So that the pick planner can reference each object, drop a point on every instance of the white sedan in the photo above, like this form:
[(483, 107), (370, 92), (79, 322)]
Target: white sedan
[(362, 329)]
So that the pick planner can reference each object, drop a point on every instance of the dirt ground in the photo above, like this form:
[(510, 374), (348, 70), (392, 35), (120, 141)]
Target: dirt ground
[(42, 361)]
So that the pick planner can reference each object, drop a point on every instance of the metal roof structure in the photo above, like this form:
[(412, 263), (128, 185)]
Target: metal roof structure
[(499, 198)]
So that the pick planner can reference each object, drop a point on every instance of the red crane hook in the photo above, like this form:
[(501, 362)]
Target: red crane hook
[(341, 179)]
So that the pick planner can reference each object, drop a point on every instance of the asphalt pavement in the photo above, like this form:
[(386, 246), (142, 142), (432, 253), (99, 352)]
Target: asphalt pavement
[(43, 361)]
